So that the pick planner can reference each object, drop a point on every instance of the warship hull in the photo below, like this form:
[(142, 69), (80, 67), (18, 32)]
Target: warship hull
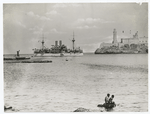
[(58, 55), (58, 50)]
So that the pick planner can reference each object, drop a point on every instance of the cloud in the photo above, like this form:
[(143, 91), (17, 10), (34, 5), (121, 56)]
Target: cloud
[(92, 20), (86, 27), (30, 13), (81, 20), (53, 12), (92, 23), (55, 31), (38, 17), (44, 18), (36, 30), (61, 5), (75, 5), (20, 24)]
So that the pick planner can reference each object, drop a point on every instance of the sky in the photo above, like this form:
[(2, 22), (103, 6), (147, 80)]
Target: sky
[(92, 23)]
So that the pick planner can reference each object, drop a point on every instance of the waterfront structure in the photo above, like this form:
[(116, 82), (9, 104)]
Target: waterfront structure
[(143, 40), (114, 36), (135, 40), (114, 42)]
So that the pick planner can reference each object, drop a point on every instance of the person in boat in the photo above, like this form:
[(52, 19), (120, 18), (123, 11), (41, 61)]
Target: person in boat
[(111, 100), (107, 98)]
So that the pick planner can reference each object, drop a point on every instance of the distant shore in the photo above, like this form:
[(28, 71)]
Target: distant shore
[(126, 49)]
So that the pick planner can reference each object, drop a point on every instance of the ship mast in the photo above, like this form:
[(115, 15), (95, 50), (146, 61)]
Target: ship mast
[(43, 41), (73, 40)]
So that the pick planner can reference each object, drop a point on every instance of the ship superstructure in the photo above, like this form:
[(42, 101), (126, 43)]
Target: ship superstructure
[(57, 50)]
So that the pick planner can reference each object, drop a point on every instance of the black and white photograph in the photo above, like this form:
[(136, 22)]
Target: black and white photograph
[(75, 57)]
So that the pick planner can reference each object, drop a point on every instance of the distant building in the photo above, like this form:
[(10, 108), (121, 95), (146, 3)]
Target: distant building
[(143, 40), (106, 45), (114, 42), (114, 36), (134, 40)]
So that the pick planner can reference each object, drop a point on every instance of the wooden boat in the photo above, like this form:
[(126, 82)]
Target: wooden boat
[(22, 58), (107, 106)]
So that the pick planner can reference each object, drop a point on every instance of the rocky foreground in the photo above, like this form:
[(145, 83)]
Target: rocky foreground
[(82, 110), (126, 49), (11, 109)]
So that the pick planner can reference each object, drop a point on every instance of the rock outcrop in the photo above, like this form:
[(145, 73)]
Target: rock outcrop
[(82, 110), (10, 109), (125, 49)]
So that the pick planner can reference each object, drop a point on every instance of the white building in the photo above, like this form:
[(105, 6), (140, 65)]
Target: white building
[(143, 40), (134, 40)]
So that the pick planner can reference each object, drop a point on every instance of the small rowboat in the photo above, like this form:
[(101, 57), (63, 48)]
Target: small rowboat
[(107, 106)]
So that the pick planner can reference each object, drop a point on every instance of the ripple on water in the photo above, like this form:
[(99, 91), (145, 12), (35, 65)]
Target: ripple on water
[(65, 86)]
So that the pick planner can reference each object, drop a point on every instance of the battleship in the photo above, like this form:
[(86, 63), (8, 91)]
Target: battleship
[(56, 50)]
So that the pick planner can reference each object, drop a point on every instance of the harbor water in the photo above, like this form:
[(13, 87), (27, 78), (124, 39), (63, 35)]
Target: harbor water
[(72, 82)]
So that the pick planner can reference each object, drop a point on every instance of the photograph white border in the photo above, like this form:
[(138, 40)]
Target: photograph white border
[(58, 1)]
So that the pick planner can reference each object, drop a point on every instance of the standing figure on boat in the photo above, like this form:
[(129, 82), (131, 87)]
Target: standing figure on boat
[(107, 98), (111, 100)]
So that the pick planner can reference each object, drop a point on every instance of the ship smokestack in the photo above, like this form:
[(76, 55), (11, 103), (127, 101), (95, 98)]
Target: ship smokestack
[(56, 43), (60, 43), (18, 53)]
